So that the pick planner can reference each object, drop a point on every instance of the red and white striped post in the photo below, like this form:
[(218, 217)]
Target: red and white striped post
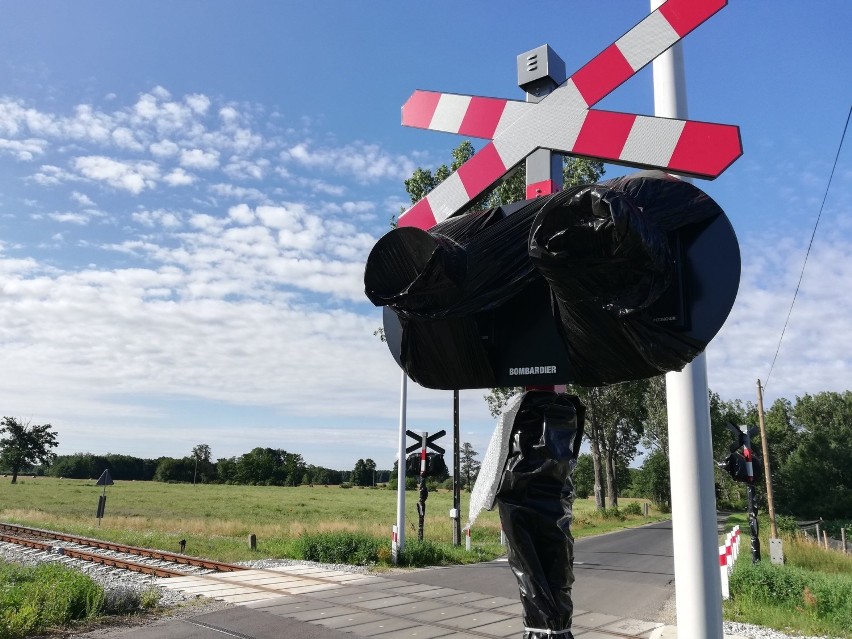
[(467, 539), (723, 572), (729, 553), (394, 544)]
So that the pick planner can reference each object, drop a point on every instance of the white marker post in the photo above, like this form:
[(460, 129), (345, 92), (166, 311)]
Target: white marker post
[(698, 590), (400, 472)]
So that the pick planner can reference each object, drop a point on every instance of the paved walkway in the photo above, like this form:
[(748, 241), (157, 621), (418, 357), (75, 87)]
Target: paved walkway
[(346, 604)]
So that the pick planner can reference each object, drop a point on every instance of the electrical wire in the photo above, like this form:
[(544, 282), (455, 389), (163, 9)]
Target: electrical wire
[(810, 244)]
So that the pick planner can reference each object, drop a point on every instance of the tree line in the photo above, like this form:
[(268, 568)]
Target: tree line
[(27, 449), (809, 444)]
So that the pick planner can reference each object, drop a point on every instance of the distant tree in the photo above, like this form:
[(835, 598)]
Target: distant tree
[(226, 470), (362, 474), (652, 482), (204, 468), (24, 444), (584, 476), (293, 468), (655, 435), (175, 470), (469, 466), (259, 467), (815, 480)]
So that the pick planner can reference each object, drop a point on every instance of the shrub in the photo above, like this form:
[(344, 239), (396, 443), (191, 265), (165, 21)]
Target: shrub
[(611, 513), (816, 595), (633, 508), (339, 548), (46, 596), (422, 553), (150, 598)]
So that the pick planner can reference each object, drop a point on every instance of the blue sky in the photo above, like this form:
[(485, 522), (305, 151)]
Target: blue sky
[(190, 191)]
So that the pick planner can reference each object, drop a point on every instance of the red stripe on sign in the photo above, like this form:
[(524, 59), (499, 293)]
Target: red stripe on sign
[(420, 216), (420, 108), (685, 15), (723, 558), (602, 74), (481, 171), (706, 149), (545, 187), (482, 117), (604, 134)]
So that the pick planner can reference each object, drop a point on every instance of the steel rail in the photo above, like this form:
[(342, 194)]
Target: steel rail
[(177, 558)]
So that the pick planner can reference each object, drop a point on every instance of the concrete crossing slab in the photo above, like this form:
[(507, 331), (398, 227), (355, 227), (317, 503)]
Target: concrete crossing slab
[(376, 606), (386, 625)]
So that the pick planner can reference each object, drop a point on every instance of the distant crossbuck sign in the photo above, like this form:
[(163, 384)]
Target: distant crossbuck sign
[(565, 122)]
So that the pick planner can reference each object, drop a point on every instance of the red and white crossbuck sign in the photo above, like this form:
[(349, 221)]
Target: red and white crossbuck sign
[(565, 122)]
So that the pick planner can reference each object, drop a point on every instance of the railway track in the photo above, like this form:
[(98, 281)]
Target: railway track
[(144, 560)]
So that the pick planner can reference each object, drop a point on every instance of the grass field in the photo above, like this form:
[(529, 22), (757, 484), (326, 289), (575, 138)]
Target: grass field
[(811, 594), (216, 520)]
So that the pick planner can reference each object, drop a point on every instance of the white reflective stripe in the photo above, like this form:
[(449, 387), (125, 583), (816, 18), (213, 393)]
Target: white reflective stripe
[(511, 112), (448, 197), (449, 113), (555, 124), (549, 633), (647, 40), (652, 140)]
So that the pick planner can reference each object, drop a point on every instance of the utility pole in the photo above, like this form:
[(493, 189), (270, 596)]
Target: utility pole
[(770, 500), (454, 513)]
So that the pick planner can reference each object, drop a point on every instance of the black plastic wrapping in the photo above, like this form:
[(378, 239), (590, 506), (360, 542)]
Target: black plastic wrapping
[(435, 465), (594, 268), (535, 499), (604, 251)]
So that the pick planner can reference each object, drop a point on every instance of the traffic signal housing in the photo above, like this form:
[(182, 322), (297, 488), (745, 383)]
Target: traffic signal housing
[(594, 285)]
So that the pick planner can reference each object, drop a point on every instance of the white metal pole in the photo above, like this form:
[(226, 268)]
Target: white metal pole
[(698, 590), (400, 471)]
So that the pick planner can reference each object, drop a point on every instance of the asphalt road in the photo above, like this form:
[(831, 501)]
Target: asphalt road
[(628, 573)]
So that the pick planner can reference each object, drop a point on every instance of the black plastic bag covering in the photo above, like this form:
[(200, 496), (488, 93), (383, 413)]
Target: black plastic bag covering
[(603, 249), (604, 252), (459, 267), (535, 499), (736, 465), (435, 465)]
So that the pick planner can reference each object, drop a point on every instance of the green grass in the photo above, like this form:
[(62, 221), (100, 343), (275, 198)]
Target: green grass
[(35, 599), (216, 520), (810, 594)]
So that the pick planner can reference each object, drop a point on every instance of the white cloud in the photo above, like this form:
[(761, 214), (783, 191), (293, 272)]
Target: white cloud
[(241, 213), (816, 351), (134, 177), (164, 149), (49, 175), (124, 138), (361, 162), (73, 218), (81, 198), (179, 177), (198, 159), (159, 217), (198, 103), (24, 150)]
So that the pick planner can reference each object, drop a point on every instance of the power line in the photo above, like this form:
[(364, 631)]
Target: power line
[(810, 244)]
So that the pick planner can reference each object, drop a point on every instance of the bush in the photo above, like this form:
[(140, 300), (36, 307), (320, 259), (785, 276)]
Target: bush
[(49, 595), (611, 513), (339, 548), (633, 508), (422, 553), (816, 595)]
